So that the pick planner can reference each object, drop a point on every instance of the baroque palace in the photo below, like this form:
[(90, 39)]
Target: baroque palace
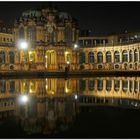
[(49, 39)]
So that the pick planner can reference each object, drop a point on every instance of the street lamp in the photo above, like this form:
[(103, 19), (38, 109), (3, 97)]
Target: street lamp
[(75, 97), (23, 99), (68, 62), (75, 46), (22, 44)]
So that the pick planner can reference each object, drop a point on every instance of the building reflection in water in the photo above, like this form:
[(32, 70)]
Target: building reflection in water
[(50, 105)]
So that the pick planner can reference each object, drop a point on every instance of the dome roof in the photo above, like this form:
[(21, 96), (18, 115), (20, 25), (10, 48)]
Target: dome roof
[(30, 13)]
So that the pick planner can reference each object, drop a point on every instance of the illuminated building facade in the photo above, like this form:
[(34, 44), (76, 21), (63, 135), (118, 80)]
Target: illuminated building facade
[(51, 37)]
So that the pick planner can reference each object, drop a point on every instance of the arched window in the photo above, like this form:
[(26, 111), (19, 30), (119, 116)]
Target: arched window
[(32, 86), (100, 57), (130, 85), (18, 56), (21, 32), (12, 87), (124, 56), (31, 33), (68, 34), (100, 85), (116, 85), (108, 85), (82, 57), (124, 85), (91, 57), (32, 57), (116, 57), (91, 84), (135, 86), (2, 86), (130, 56), (108, 57), (2, 57), (82, 85), (135, 55), (11, 57)]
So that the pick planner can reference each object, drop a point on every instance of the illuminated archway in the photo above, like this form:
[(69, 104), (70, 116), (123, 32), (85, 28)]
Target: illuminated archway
[(31, 56), (50, 59)]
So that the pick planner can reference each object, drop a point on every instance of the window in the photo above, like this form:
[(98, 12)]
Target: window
[(12, 87), (135, 86), (124, 56), (91, 84), (2, 86), (116, 85), (100, 85), (91, 57), (21, 33), (124, 85), (117, 57), (32, 33), (130, 56), (108, 57), (68, 34), (82, 57), (2, 57), (135, 55), (100, 57), (11, 57), (82, 84), (130, 85), (108, 85)]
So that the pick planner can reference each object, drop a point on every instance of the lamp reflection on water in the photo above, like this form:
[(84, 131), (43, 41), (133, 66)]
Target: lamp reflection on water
[(23, 99), (76, 97)]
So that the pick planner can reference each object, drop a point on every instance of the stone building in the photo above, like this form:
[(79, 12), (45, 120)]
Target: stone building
[(51, 37)]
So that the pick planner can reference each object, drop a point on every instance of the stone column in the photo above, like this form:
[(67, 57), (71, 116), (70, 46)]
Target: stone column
[(120, 86), (104, 57), (120, 56)]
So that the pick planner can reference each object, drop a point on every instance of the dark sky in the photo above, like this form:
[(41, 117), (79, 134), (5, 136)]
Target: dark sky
[(102, 17)]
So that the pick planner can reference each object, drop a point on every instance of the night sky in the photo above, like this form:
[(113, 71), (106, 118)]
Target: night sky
[(101, 17)]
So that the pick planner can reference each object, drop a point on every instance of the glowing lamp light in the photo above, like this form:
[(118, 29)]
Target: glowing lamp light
[(75, 45), (66, 52), (22, 44), (66, 90), (24, 99), (76, 97), (52, 92), (68, 62)]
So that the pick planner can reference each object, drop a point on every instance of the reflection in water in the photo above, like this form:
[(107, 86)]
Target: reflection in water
[(48, 106)]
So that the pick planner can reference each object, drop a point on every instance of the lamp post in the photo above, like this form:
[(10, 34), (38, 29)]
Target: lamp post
[(75, 48), (23, 45)]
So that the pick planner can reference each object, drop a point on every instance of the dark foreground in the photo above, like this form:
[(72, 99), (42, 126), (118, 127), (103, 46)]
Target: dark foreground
[(86, 73), (93, 122)]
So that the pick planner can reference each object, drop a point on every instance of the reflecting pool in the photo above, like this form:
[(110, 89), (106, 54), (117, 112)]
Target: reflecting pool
[(98, 107)]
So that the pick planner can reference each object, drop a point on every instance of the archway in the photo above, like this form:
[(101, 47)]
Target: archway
[(11, 57), (50, 59)]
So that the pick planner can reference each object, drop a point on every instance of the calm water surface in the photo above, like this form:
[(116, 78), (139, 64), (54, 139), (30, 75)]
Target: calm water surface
[(107, 107)]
